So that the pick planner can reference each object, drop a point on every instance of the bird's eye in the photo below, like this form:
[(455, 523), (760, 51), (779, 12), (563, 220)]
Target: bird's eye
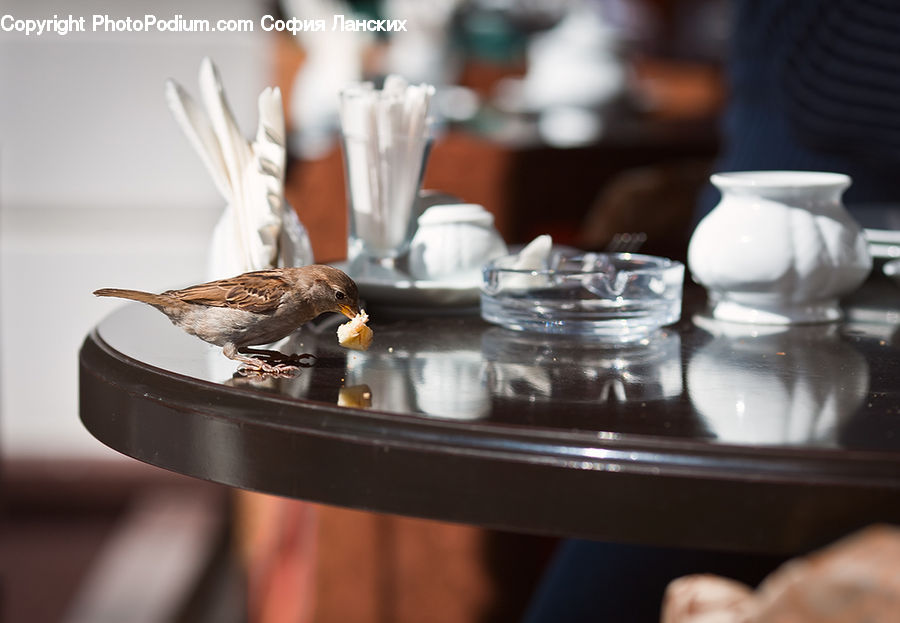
[(339, 295)]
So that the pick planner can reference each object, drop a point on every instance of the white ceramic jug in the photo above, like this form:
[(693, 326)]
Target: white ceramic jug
[(779, 248)]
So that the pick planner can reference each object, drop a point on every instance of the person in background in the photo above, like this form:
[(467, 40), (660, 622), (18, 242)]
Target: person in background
[(815, 85)]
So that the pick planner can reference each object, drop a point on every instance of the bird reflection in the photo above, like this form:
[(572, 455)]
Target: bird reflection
[(293, 383), (266, 382), (281, 365)]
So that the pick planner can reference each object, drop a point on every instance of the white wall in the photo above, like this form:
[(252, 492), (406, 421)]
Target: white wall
[(98, 188)]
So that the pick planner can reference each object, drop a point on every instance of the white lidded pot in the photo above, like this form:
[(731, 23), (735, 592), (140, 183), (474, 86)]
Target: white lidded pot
[(453, 242), (779, 248)]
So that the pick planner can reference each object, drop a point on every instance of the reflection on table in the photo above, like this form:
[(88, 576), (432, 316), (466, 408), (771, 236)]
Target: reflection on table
[(776, 385), (750, 385), (748, 438)]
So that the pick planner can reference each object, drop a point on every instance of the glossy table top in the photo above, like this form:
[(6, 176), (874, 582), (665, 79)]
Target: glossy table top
[(708, 435)]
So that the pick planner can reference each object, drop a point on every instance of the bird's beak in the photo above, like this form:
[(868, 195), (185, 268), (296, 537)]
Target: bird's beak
[(349, 311)]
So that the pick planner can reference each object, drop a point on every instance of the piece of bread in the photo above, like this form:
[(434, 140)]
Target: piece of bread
[(355, 396), (355, 334)]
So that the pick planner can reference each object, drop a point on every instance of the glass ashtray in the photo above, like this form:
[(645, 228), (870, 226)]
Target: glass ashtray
[(617, 297)]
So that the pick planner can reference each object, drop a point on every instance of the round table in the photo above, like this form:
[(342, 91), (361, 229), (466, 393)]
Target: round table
[(728, 437)]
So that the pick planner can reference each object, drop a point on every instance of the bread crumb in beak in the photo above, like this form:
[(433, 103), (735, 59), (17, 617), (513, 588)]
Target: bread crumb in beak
[(355, 334)]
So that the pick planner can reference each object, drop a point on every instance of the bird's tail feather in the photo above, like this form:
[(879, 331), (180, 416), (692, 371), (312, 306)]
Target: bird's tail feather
[(134, 295)]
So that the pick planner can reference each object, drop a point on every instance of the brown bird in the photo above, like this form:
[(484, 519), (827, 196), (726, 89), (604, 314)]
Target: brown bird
[(254, 308)]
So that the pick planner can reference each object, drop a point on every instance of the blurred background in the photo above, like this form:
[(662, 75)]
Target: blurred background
[(578, 118)]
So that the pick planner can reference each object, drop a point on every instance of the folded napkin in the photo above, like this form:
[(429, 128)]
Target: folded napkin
[(258, 229), (535, 255)]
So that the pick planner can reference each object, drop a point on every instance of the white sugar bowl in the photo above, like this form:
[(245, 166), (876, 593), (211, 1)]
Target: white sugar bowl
[(453, 242), (779, 248)]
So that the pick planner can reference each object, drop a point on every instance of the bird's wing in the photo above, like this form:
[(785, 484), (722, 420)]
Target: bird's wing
[(258, 292)]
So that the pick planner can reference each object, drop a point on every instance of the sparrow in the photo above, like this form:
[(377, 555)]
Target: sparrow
[(254, 308)]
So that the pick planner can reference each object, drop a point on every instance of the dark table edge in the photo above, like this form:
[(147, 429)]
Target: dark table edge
[(492, 475)]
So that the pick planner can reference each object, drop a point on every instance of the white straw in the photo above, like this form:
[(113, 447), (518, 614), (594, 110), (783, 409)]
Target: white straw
[(386, 133)]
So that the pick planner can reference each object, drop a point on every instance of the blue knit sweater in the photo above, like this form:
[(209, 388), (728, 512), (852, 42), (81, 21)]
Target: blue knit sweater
[(815, 85)]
